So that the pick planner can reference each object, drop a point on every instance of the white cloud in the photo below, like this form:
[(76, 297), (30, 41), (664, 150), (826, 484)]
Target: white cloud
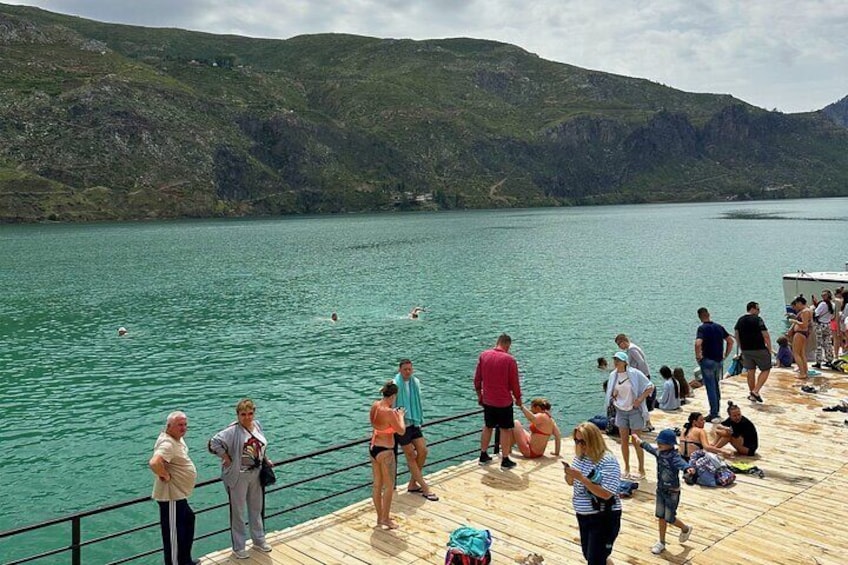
[(773, 53)]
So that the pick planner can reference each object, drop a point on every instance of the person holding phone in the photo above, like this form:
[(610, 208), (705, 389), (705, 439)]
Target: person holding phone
[(595, 475), (386, 421)]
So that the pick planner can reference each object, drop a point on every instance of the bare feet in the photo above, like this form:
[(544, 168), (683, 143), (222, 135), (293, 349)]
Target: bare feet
[(389, 524)]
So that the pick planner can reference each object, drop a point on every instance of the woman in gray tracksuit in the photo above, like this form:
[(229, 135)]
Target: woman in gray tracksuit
[(241, 447)]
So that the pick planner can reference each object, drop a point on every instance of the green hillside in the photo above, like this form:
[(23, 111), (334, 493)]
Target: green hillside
[(104, 121)]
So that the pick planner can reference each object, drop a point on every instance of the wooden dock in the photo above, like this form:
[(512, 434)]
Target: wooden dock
[(792, 516)]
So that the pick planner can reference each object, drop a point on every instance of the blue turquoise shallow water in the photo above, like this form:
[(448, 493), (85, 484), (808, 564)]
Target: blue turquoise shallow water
[(220, 310)]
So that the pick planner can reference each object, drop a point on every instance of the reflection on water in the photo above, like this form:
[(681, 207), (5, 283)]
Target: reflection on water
[(220, 310)]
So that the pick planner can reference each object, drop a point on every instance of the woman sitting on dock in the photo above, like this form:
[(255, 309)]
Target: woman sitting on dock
[(386, 421), (595, 475), (695, 438), (799, 333), (532, 443), (669, 399)]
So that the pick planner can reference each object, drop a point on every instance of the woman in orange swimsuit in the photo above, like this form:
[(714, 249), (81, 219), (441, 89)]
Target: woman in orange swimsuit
[(386, 421), (532, 443)]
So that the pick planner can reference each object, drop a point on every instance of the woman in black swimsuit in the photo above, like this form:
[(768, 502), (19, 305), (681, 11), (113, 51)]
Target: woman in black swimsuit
[(695, 437), (386, 421), (799, 333)]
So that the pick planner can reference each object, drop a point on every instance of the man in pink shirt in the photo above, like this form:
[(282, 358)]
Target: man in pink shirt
[(497, 386)]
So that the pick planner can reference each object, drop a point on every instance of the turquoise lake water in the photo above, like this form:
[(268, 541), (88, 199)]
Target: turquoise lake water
[(220, 310)]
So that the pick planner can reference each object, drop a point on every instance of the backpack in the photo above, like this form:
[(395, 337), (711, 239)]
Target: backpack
[(725, 477), (456, 557), (469, 546)]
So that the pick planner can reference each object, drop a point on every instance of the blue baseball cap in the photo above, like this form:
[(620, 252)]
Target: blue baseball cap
[(621, 356), (667, 437)]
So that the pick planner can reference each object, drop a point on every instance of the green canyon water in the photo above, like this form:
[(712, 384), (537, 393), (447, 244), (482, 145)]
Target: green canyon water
[(220, 310)]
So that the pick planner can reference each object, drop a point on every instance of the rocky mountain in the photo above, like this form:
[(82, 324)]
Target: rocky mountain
[(104, 121), (837, 112)]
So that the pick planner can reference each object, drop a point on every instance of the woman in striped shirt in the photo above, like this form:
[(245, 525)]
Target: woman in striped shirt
[(595, 475)]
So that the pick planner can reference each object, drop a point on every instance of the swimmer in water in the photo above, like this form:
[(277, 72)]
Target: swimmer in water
[(415, 311), (122, 331), (334, 317)]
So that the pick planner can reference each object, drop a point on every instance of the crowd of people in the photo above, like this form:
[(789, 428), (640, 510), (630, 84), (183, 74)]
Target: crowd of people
[(594, 472)]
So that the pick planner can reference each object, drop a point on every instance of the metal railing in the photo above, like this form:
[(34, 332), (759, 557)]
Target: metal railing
[(74, 549)]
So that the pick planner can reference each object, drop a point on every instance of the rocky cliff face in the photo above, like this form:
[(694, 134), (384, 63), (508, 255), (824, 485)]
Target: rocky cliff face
[(838, 112), (102, 122)]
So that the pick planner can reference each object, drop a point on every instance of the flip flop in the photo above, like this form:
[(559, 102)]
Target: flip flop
[(430, 496), (414, 490)]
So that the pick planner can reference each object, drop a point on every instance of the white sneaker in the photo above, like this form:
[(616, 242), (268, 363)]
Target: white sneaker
[(716, 420), (658, 548), (264, 547), (684, 534), (241, 554)]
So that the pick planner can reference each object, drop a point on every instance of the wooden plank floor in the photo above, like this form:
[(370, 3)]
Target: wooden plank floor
[(792, 516)]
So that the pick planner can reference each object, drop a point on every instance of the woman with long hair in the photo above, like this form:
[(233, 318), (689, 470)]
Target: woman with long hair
[(386, 422), (595, 475), (799, 332), (695, 437)]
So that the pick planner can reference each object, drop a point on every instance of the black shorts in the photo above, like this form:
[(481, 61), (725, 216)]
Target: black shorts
[(411, 433), (498, 417)]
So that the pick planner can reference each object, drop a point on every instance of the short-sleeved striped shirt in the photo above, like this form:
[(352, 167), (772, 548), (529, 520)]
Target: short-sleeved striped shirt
[(610, 479)]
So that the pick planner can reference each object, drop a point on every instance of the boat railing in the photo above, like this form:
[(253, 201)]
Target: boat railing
[(74, 549)]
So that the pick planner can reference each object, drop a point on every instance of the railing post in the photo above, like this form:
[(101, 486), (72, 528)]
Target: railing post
[(76, 539)]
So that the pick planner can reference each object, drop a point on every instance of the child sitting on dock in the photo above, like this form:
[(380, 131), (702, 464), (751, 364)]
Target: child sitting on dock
[(669, 462), (669, 397), (685, 391), (784, 353)]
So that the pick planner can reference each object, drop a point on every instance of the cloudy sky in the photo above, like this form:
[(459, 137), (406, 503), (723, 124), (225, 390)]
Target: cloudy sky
[(786, 54)]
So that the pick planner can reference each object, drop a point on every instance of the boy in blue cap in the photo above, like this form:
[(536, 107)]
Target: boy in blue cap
[(669, 462)]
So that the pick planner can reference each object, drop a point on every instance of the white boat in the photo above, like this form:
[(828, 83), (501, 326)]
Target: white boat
[(810, 284)]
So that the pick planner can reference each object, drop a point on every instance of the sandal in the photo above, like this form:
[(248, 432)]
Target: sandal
[(415, 490), (808, 388), (430, 496)]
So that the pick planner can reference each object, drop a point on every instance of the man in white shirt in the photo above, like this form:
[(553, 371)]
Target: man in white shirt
[(175, 477)]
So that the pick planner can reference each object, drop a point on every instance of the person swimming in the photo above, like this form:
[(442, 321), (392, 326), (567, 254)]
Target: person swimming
[(415, 312), (122, 331), (334, 317)]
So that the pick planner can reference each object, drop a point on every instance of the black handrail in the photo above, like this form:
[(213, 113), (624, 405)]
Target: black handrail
[(76, 545)]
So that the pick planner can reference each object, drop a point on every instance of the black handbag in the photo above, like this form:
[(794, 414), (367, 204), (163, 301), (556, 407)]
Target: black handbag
[(267, 476)]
